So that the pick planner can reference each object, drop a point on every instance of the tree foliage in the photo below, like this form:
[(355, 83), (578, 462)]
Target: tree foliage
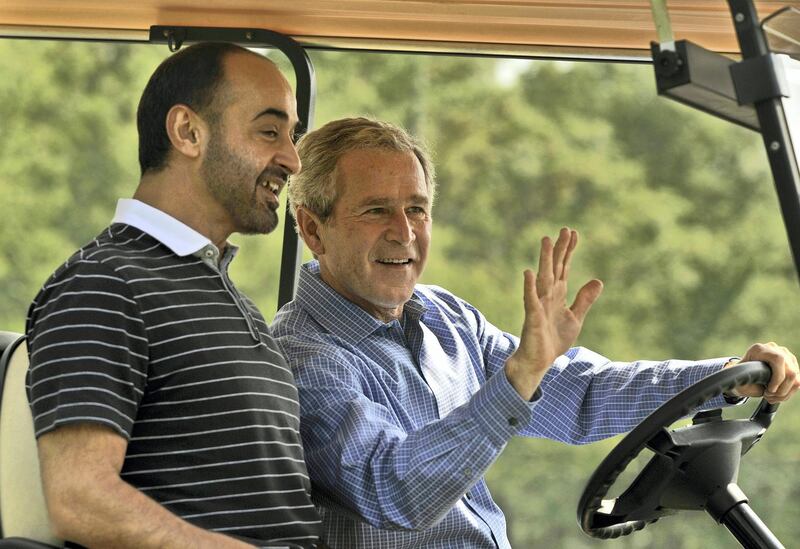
[(676, 212)]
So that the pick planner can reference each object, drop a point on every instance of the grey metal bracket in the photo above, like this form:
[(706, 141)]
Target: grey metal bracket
[(759, 79)]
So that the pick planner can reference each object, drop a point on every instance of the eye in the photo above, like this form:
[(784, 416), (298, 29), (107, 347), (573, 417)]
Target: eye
[(417, 211), (376, 211), (272, 134)]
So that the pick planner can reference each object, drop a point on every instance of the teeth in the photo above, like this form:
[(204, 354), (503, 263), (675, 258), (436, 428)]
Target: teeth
[(271, 185), (394, 261)]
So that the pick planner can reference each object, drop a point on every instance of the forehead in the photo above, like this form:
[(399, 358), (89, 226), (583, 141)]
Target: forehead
[(253, 84), (379, 172)]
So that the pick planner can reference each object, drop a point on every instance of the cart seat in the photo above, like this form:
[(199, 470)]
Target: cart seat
[(23, 514)]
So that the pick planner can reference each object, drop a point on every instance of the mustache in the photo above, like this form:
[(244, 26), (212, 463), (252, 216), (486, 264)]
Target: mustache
[(274, 172)]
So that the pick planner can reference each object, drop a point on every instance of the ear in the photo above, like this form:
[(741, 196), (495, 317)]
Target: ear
[(309, 226), (186, 131)]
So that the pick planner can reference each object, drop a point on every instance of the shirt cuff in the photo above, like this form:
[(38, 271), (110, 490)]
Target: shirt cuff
[(731, 400), (499, 410), (722, 400)]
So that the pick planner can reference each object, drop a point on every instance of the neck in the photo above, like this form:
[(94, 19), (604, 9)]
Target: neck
[(181, 196), (384, 314), (387, 315)]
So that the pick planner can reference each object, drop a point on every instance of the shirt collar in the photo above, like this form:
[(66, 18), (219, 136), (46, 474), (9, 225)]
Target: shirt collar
[(180, 238), (340, 316)]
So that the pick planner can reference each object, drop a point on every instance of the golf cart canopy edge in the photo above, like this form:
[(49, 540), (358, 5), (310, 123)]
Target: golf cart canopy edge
[(515, 28)]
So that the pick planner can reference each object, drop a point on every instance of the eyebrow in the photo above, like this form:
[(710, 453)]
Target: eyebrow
[(383, 201), (272, 111), (278, 113)]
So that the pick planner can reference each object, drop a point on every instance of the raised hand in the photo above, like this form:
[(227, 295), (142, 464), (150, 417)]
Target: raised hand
[(550, 326)]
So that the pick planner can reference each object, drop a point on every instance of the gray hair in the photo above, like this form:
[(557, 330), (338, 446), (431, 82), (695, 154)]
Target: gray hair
[(314, 187)]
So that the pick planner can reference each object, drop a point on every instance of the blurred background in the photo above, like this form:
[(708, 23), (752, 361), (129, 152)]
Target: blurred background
[(676, 211)]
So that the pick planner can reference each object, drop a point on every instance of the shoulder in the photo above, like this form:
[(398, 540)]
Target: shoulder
[(309, 348), (300, 336), (91, 277), (111, 250)]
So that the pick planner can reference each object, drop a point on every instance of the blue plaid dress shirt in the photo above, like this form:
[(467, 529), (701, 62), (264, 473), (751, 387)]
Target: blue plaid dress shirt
[(375, 444)]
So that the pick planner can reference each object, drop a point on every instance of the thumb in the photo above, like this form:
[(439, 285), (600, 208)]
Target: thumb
[(586, 297)]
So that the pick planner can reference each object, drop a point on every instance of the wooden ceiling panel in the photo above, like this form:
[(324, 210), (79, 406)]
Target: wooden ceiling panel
[(449, 25)]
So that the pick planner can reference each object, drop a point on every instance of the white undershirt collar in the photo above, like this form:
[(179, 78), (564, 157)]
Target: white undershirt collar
[(178, 237)]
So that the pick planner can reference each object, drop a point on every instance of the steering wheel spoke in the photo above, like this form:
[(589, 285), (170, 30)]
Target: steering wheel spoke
[(661, 442), (689, 465)]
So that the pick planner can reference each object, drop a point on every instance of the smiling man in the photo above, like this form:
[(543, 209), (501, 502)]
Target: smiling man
[(165, 415), (407, 392)]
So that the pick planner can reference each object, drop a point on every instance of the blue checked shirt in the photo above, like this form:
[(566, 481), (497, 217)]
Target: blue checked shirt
[(401, 420)]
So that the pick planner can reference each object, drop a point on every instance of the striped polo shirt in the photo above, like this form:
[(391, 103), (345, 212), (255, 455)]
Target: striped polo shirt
[(142, 330)]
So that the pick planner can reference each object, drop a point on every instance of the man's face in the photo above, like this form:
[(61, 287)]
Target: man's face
[(251, 152), (375, 243)]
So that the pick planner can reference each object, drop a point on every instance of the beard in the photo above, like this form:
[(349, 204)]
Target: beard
[(227, 175)]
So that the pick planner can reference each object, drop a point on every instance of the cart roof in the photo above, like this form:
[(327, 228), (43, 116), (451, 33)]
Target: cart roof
[(506, 27)]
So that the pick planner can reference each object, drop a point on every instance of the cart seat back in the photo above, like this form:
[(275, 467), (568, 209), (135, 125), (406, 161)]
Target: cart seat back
[(23, 513)]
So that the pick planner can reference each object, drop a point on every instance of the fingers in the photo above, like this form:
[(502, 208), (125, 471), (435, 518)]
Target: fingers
[(785, 378), (585, 298), (791, 379), (769, 354), (544, 278), (564, 246), (573, 243), (554, 259), (530, 298)]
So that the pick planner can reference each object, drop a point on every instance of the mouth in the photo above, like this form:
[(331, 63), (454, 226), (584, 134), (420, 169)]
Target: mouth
[(273, 185), (395, 262)]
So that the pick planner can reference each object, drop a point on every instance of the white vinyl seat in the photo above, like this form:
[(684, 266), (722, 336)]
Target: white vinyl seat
[(23, 514)]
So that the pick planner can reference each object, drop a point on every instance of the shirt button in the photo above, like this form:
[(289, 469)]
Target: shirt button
[(209, 253), (468, 472), (513, 421)]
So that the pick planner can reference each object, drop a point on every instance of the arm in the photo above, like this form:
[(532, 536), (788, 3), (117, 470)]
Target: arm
[(90, 504), (584, 396)]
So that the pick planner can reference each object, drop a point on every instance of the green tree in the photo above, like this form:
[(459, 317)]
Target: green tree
[(67, 150), (675, 208)]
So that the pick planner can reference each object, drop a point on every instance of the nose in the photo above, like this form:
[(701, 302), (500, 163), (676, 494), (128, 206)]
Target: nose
[(400, 229), (288, 158)]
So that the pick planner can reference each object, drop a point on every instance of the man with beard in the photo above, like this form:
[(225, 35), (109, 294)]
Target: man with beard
[(164, 413), (408, 393)]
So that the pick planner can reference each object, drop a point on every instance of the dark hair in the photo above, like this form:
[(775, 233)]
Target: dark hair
[(190, 77)]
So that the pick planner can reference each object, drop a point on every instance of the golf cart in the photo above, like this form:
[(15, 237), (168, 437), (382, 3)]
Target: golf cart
[(172, 27)]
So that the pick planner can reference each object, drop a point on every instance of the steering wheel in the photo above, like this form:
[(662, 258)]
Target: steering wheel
[(694, 467)]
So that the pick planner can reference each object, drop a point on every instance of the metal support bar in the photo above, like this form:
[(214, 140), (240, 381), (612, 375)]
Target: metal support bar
[(662, 22), (305, 93), (773, 125), (749, 529)]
